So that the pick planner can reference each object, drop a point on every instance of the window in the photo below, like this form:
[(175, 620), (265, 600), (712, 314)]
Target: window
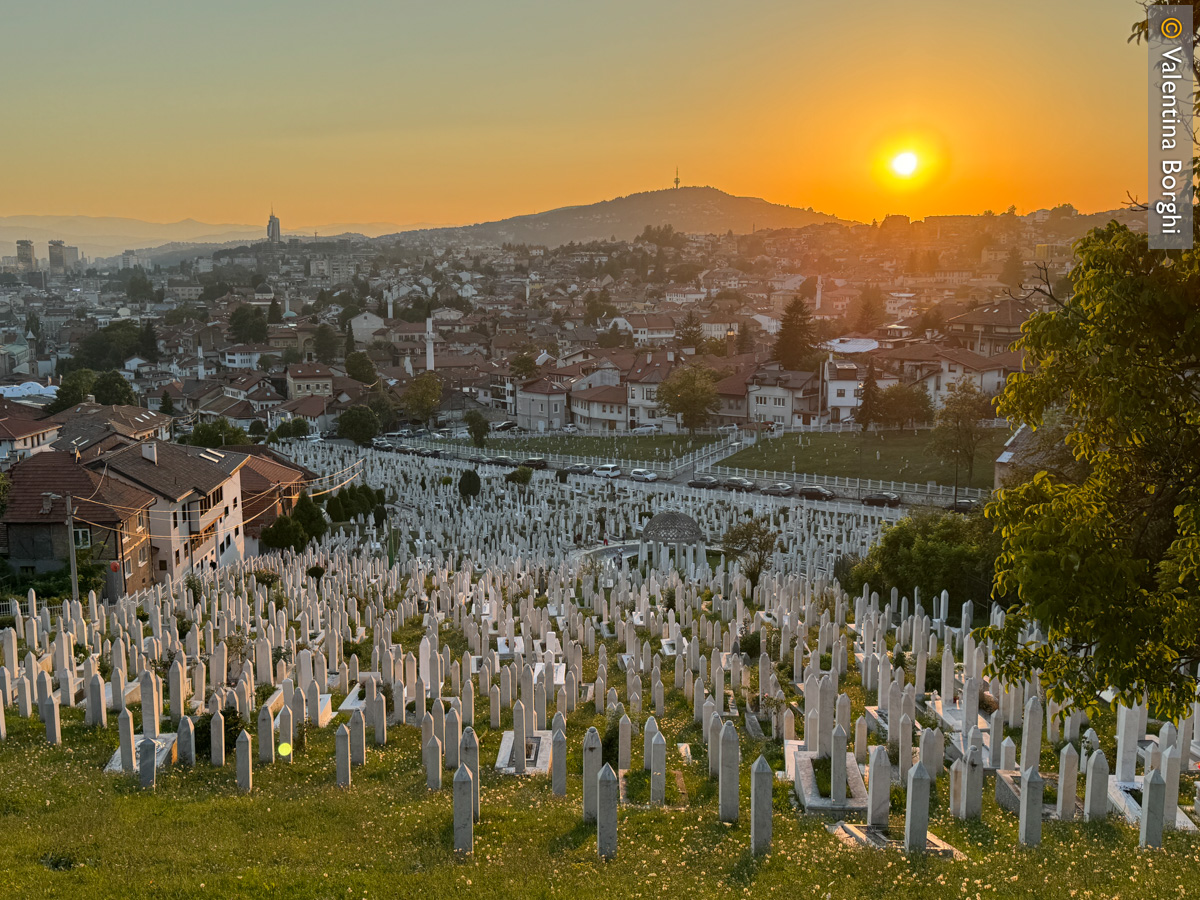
[(175, 519), (143, 555), (83, 538), (760, 400), (841, 392), (141, 520), (128, 567), (778, 401)]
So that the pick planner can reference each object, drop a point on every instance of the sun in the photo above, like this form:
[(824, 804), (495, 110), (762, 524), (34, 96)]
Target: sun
[(905, 164)]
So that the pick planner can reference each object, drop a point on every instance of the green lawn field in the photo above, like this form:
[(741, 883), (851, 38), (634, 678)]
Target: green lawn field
[(649, 447), (887, 455)]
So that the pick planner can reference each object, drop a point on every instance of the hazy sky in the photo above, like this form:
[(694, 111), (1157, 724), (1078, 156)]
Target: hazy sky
[(460, 111)]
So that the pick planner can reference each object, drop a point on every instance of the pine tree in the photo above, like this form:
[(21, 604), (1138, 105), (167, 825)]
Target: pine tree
[(167, 406), (869, 412), (691, 332), (796, 343)]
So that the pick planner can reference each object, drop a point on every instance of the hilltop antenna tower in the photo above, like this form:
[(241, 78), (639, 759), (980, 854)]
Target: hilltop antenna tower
[(677, 178)]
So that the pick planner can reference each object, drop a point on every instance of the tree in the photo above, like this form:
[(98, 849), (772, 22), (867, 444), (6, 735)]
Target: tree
[(290, 356), (959, 428), (1013, 270), (796, 343), (423, 397), (520, 476), (360, 368), (337, 512), (325, 343), (752, 542), (111, 389), (869, 311), (870, 411), (166, 405), (248, 325), (932, 551), (139, 288), (523, 366), (477, 427), (350, 344), (274, 313), (469, 485), (285, 533), (905, 404), (358, 424), (258, 428), (1107, 561), (745, 339), (220, 433), (109, 347), (690, 332), (75, 388), (147, 345), (690, 392), (310, 517)]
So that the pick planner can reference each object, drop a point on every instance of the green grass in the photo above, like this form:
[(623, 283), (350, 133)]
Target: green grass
[(70, 831), (902, 456), (648, 447)]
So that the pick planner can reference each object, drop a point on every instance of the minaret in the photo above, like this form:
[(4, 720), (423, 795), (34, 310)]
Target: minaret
[(677, 178), (429, 345)]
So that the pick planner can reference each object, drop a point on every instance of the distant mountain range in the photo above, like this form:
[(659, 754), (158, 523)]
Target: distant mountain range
[(698, 210), (110, 236)]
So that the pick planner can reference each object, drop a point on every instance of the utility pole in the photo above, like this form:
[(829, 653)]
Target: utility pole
[(71, 551)]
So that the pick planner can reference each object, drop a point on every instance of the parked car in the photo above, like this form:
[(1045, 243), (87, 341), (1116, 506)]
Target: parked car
[(381, 444), (504, 426), (963, 505), (608, 470), (815, 492), (882, 498), (430, 453), (644, 429), (405, 449), (643, 475), (705, 481), (506, 461), (779, 489), (535, 462), (579, 469), (569, 429), (728, 429), (739, 484), (313, 438)]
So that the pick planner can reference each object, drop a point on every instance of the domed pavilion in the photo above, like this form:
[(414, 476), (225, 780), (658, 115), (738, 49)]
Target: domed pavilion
[(673, 537)]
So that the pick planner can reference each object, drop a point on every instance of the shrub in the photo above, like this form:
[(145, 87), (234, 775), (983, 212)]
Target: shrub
[(750, 643), (520, 476), (447, 480), (610, 745), (933, 674), (469, 485)]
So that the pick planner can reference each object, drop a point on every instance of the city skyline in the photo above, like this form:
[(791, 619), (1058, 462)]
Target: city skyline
[(423, 121)]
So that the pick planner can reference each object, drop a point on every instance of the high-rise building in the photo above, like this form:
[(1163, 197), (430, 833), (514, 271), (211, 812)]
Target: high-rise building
[(71, 258), (26, 261), (274, 234), (58, 263)]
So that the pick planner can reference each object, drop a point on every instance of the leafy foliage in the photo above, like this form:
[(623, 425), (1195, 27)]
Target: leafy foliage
[(469, 485), (690, 392), (796, 343), (423, 397), (360, 368), (111, 389), (960, 429), (752, 542), (220, 433), (477, 427), (248, 325), (358, 424), (1108, 562)]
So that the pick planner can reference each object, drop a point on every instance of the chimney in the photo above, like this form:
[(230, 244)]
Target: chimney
[(649, 357), (429, 345), (150, 452), (670, 356)]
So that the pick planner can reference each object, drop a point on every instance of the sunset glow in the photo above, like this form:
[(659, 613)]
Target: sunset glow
[(905, 164)]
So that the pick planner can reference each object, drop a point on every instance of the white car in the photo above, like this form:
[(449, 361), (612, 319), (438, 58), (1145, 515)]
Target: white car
[(569, 429), (643, 475), (608, 470), (644, 429)]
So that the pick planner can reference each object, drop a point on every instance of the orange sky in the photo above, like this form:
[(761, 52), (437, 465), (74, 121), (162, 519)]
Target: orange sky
[(411, 112)]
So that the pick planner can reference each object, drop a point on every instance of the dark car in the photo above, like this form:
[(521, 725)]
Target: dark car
[(779, 489), (579, 469), (503, 461), (815, 492), (477, 459), (881, 498), (705, 481), (404, 449), (963, 505), (739, 484), (504, 426), (431, 453), (535, 462)]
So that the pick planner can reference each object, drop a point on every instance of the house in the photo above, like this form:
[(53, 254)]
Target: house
[(196, 515), (108, 518), (604, 407), (542, 404), (245, 356), (270, 488), (22, 435), (956, 366), (309, 380), (89, 428), (992, 328), (647, 330)]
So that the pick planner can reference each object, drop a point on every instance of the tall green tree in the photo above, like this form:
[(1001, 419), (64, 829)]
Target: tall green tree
[(523, 366), (1108, 562), (285, 533), (310, 517), (959, 428), (423, 397), (469, 485), (358, 424), (248, 325), (752, 543), (74, 389), (274, 313), (217, 434), (360, 368), (690, 332), (477, 427), (903, 405), (869, 310), (147, 346), (1013, 270), (325, 343), (166, 405), (111, 389), (870, 411), (690, 392), (797, 342)]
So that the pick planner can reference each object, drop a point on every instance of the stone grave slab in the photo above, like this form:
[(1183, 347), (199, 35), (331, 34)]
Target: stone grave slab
[(165, 753), (537, 756), (810, 797)]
